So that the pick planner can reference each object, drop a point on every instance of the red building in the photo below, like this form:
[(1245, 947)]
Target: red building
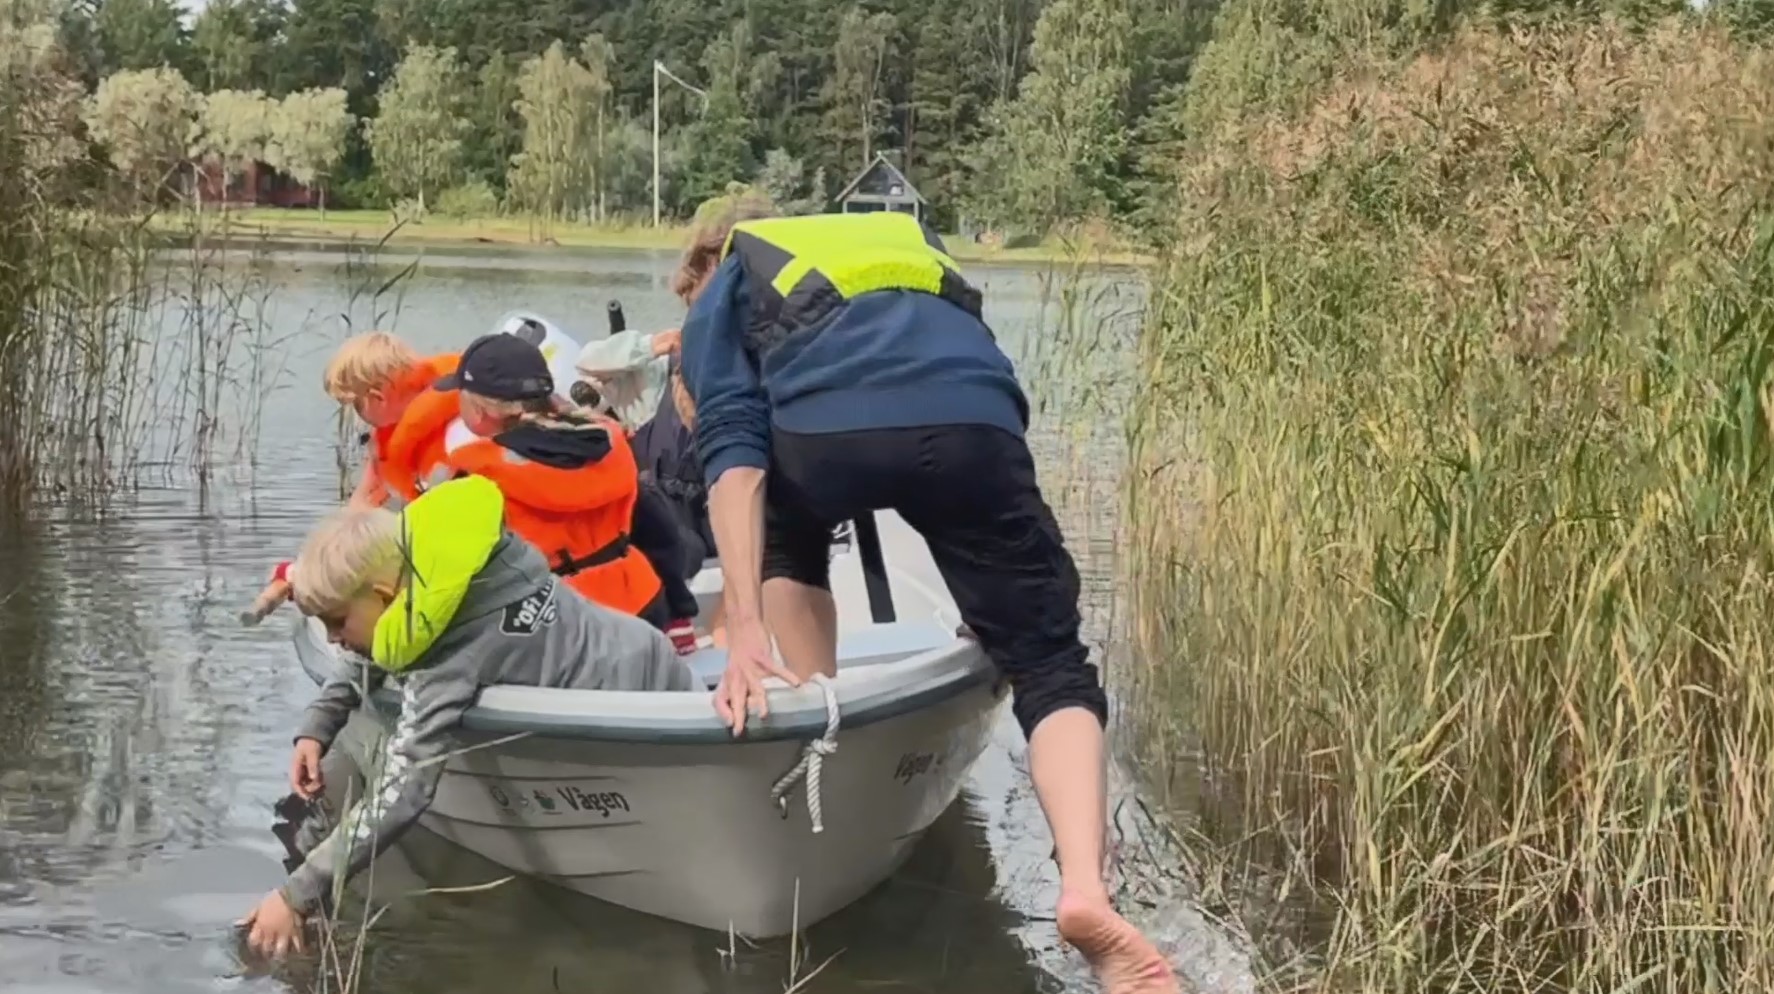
[(258, 185)]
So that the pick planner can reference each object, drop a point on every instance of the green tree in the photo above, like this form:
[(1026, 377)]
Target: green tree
[(599, 57), (417, 137), (719, 142), (552, 176), (1167, 37), (40, 107), (495, 130), (948, 90), (147, 121), (337, 43), (141, 34), (236, 44), (1054, 151), (783, 179), (856, 106), (309, 134)]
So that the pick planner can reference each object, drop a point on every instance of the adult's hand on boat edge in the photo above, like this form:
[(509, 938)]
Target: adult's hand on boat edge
[(273, 928), (749, 661), (305, 778)]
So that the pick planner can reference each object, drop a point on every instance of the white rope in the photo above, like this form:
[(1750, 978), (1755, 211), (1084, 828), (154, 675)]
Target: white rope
[(812, 759)]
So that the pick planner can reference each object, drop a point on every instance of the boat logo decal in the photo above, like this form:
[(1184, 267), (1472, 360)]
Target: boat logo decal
[(915, 764), (557, 799), (534, 612)]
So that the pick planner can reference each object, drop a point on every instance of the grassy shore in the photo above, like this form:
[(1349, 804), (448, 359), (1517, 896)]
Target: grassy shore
[(1450, 547), (309, 225)]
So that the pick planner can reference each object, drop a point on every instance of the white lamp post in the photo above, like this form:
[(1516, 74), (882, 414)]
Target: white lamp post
[(658, 68)]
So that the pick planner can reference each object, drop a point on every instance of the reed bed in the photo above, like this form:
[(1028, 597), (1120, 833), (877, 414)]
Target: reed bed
[(124, 352), (1448, 521)]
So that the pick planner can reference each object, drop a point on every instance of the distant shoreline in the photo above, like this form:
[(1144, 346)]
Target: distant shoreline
[(371, 225)]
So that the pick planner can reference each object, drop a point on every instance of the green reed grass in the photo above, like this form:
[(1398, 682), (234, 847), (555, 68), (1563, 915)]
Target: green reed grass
[(1449, 531), (119, 354)]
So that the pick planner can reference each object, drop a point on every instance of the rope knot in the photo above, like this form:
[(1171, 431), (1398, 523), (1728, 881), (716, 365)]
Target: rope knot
[(812, 760)]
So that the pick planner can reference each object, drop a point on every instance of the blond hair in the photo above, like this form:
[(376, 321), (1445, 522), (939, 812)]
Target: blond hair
[(375, 360), (348, 552), (708, 238), (508, 411)]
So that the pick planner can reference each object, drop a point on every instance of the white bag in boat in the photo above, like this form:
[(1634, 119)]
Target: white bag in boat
[(558, 347)]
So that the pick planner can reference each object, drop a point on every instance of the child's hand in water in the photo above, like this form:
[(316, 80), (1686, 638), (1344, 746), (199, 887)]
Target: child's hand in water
[(305, 769), (273, 928)]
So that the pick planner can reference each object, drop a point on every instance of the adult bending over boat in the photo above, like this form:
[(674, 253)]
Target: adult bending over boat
[(388, 384), (444, 601), (839, 365)]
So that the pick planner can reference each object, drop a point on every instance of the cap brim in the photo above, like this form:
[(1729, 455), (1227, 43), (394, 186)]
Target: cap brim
[(449, 381)]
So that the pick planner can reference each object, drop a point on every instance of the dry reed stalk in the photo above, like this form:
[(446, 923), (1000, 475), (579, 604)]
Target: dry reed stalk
[(1448, 536)]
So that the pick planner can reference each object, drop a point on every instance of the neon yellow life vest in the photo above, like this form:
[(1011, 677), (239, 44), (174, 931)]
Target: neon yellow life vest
[(447, 535), (801, 269)]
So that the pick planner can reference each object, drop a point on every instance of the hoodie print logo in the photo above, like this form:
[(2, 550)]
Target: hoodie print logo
[(531, 614)]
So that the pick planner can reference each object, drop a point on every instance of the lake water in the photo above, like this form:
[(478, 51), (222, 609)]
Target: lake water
[(144, 735)]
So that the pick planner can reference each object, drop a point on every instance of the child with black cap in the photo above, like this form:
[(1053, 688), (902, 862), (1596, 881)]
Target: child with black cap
[(571, 485)]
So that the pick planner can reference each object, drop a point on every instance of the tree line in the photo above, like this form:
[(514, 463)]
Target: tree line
[(1012, 113)]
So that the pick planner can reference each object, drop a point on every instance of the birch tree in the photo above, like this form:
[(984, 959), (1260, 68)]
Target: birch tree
[(1054, 149), (147, 120), (857, 108), (238, 127), (553, 173), (599, 57), (417, 137), (309, 133)]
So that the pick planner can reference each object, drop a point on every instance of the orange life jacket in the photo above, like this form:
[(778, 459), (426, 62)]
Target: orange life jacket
[(579, 518), (410, 455)]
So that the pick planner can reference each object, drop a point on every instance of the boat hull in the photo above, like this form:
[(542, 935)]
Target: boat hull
[(689, 832)]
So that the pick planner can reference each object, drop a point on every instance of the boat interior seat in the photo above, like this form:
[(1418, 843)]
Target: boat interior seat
[(870, 646)]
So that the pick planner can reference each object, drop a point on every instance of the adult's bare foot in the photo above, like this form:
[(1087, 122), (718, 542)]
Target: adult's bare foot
[(1125, 961)]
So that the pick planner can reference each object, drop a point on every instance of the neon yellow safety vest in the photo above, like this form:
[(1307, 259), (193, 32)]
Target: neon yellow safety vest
[(802, 269)]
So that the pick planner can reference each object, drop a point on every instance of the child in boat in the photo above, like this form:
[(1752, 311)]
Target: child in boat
[(444, 601), (570, 483), (388, 384)]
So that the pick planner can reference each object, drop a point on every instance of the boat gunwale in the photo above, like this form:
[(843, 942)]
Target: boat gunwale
[(797, 722)]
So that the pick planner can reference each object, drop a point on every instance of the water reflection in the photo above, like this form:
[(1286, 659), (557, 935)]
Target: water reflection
[(935, 927)]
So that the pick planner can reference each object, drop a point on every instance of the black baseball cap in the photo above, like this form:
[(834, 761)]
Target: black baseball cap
[(501, 367)]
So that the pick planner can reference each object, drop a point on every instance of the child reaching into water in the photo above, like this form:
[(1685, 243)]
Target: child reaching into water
[(388, 384), (444, 601)]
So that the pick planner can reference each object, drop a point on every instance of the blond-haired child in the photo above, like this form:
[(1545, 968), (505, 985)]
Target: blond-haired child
[(443, 601), (388, 384)]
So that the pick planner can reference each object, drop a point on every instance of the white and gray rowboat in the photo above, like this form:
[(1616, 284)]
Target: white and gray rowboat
[(646, 800)]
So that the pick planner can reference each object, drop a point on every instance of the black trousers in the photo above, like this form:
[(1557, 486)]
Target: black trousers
[(971, 492), (656, 533)]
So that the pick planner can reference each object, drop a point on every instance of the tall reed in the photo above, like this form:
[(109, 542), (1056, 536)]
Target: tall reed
[(1449, 532), (117, 355)]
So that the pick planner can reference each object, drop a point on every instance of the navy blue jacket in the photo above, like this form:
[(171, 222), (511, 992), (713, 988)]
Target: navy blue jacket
[(889, 359)]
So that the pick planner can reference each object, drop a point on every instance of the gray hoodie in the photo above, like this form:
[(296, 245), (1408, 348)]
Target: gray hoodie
[(516, 625)]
